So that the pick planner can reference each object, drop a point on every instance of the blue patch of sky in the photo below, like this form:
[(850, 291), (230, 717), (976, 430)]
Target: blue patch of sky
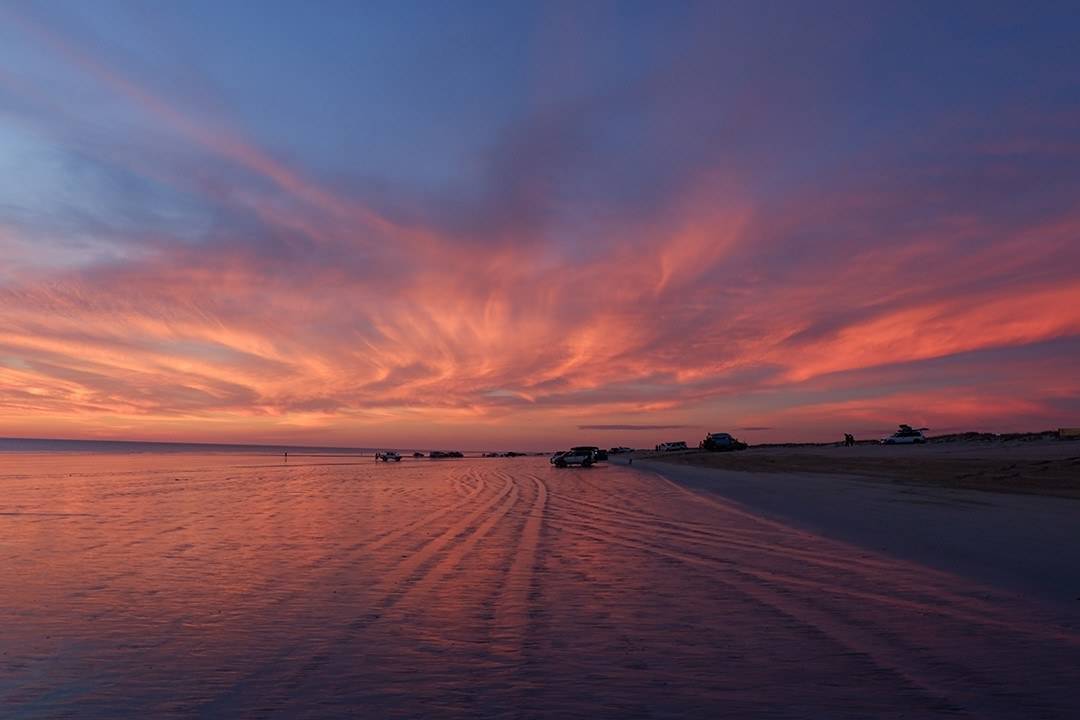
[(81, 210), (421, 97)]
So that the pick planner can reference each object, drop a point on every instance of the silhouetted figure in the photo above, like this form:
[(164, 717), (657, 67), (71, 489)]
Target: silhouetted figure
[(286, 456), (849, 440)]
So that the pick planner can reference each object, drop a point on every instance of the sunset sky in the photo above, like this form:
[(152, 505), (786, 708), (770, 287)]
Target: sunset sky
[(496, 225)]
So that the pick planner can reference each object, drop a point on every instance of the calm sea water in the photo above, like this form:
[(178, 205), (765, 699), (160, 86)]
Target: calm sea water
[(232, 585), (32, 445)]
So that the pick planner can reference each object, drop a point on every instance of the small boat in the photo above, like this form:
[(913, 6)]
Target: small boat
[(387, 456)]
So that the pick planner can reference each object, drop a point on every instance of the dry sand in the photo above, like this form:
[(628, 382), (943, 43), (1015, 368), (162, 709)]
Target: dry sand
[(1046, 467)]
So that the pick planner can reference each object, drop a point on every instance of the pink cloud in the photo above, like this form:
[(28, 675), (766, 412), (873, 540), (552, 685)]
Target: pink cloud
[(363, 329)]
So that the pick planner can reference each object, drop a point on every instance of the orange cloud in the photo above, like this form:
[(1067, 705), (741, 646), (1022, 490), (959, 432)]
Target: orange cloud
[(1025, 316), (317, 318)]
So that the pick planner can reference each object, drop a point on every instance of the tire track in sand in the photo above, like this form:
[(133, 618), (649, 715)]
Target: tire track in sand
[(343, 555), (973, 610), (917, 668), (910, 587), (434, 563), (910, 583), (896, 586), (511, 622), (418, 576), (387, 593), (938, 697)]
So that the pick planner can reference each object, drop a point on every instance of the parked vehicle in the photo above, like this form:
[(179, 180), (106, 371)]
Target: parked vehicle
[(621, 450), (438, 454), (906, 435), (721, 442), (387, 456), (672, 446), (599, 455), (583, 456)]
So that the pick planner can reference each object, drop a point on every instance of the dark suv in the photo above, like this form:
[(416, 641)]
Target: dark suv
[(599, 454)]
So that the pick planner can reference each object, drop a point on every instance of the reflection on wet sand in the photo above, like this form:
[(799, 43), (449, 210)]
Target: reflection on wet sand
[(226, 587)]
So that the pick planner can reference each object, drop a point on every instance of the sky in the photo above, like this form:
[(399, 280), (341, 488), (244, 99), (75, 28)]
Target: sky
[(520, 226)]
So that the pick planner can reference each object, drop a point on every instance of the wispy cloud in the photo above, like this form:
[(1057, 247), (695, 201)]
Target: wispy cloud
[(243, 294)]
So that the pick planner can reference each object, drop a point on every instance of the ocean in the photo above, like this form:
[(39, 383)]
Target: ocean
[(124, 446)]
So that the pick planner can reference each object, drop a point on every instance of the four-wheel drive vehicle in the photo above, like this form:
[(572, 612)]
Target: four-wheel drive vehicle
[(672, 446), (906, 435), (598, 454), (440, 454), (720, 442), (584, 457)]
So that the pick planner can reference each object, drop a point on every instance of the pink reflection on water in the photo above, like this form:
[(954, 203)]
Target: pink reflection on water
[(225, 585)]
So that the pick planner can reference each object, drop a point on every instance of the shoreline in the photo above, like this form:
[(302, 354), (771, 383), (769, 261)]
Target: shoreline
[(1021, 543)]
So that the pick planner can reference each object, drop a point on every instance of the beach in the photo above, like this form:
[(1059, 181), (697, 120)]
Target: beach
[(1003, 513), (1039, 467), (244, 586)]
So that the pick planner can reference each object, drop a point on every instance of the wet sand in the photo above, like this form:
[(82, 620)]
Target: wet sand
[(1021, 542), (226, 587)]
